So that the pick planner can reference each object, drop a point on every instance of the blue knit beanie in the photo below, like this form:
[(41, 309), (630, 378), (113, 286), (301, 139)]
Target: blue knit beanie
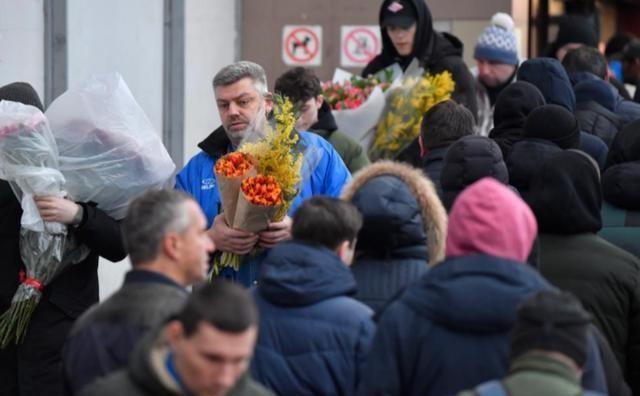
[(498, 42)]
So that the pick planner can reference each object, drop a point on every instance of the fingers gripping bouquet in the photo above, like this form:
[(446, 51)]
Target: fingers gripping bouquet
[(259, 182), (29, 162)]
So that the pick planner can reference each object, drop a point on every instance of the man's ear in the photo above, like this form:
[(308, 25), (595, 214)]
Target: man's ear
[(170, 244), (268, 102), (174, 332), (319, 101)]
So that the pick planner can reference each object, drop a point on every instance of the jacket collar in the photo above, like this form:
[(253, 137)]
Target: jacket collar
[(542, 363), (216, 144)]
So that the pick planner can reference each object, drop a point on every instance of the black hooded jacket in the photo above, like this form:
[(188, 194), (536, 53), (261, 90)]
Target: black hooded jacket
[(524, 160), (436, 52), (512, 108), (595, 106), (566, 199), (621, 179)]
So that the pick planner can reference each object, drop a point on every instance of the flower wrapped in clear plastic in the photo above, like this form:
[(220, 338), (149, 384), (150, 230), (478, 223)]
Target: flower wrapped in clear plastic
[(29, 162)]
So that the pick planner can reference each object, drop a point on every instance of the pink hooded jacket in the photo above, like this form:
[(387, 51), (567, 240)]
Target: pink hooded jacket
[(488, 218)]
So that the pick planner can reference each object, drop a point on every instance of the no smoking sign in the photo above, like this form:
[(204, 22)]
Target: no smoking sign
[(302, 45), (359, 45)]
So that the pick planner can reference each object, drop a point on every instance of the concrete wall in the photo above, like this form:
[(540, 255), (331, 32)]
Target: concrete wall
[(22, 42)]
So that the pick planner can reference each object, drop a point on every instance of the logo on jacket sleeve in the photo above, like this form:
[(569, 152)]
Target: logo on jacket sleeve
[(208, 183)]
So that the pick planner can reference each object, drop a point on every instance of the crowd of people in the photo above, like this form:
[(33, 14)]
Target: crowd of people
[(498, 255)]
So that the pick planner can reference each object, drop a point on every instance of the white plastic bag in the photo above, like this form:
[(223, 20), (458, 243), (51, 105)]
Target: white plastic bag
[(109, 151), (29, 161)]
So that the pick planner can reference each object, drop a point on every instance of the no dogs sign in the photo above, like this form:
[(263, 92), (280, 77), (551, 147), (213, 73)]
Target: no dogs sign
[(302, 45)]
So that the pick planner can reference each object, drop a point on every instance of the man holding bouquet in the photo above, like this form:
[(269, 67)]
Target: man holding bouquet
[(244, 104)]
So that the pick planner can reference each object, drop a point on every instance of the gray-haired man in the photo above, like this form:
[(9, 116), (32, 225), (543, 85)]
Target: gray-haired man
[(243, 103), (166, 236)]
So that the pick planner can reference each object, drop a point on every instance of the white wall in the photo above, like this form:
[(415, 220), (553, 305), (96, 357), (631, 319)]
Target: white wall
[(124, 36), (210, 35), (22, 43)]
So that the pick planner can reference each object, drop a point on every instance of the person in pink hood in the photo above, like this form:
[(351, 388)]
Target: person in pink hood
[(450, 329)]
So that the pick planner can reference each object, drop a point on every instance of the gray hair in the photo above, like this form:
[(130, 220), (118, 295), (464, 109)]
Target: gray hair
[(237, 71), (149, 218)]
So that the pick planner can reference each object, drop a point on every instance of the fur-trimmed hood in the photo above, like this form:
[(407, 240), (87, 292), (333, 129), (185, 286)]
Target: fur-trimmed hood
[(400, 208)]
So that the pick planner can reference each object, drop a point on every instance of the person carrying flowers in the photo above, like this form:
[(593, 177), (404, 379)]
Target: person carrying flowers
[(243, 104)]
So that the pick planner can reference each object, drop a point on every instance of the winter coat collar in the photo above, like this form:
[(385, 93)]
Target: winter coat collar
[(299, 274), (478, 293), (326, 124), (433, 214), (216, 144), (148, 276)]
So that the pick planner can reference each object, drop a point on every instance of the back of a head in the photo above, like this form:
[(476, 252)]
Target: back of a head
[(548, 75), (621, 178), (298, 84), (524, 160), (468, 160), (552, 321), (555, 124), (586, 59), (515, 103), (21, 92), (445, 123), (565, 194), (235, 72), (597, 91), (616, 44), (631, 51), (149, 218), (225, 305), (489, 218), (326, 222)]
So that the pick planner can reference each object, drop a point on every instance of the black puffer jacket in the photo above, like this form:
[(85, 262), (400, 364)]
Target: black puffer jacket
[(566, 198), (524, 160), (470, 159), (595, 106), (512, 108), (404, 227), (436, 52)]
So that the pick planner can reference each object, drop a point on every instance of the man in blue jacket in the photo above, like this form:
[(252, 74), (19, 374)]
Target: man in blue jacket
[(313, 338), (243, 104)]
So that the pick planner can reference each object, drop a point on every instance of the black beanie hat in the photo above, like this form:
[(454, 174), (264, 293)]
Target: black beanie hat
[(552, 321), (21, 92), (553, 123)]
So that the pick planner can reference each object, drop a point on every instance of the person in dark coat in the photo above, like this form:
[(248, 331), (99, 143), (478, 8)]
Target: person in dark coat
[(588, 63), (450, 330), (165, 234), (512, 107), (35, 365), (404, 228), (621, 190), (525, 159), (566, 198), (204, 350), (407, 32), (549, 346), (303, 88), (469, 160), (441, 126), (595, 106), (552, 80), (313, 337)]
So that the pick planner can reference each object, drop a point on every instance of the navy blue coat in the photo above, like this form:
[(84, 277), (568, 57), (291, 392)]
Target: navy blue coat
[(553, 81), (432, 166), (450, 331), (313, 339)]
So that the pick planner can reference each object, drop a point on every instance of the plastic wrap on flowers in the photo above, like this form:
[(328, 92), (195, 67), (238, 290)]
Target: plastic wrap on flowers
[(109, 151), (359, 121), (29, 162), (405, 107)]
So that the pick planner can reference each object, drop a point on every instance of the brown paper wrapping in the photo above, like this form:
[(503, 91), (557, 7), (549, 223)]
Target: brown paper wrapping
[(253, 218), (230, 190)]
